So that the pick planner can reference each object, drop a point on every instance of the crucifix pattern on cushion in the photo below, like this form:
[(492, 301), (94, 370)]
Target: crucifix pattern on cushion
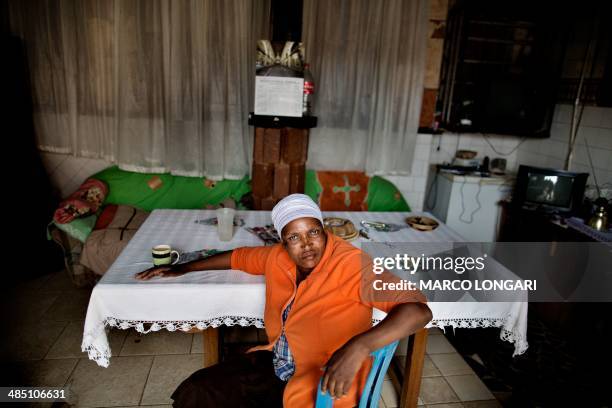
[(343, 190), (346, 189)]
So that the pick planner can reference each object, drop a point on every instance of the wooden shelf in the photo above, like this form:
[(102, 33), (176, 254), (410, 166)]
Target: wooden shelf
[(304, 122), (511, 24), (430, 131), (500, 41)]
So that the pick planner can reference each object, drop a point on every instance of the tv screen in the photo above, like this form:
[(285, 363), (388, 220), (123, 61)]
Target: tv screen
[(549, 190), (552, 190)]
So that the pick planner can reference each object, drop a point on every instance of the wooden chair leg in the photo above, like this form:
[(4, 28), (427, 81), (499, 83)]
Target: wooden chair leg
[(415, 358), (210, 337)]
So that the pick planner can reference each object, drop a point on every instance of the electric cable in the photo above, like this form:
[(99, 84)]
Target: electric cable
[(477, 198), (500, 153), (588, 150), (434, 184)]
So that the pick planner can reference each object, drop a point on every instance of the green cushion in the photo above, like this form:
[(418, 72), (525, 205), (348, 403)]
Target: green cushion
[(384, 196), (312, 187), (79, 228), (176, 192)]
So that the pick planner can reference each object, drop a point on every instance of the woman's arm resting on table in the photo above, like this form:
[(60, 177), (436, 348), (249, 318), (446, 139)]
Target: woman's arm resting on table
[(402, 321), (214, 262)]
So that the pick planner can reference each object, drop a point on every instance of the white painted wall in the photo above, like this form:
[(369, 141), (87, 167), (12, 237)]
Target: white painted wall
[(595, 128), (68, 172)]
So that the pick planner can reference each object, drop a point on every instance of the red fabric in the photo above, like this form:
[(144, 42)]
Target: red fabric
[(106, 217), (86, 200), (343, 190)]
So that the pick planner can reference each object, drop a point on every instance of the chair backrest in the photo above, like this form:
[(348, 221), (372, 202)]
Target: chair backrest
[(373, 386)]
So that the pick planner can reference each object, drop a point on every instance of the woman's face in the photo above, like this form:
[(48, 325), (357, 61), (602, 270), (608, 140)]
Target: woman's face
[(304, 239)]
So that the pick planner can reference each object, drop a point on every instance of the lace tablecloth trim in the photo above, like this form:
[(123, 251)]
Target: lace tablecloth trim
[(102, 357), (184, 325), (507, 334)]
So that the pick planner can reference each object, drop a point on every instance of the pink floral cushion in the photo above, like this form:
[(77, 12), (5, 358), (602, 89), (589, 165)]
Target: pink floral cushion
[(86, 200)]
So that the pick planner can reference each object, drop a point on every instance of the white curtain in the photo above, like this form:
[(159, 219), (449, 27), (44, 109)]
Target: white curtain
[(153, 85), (367, 58)]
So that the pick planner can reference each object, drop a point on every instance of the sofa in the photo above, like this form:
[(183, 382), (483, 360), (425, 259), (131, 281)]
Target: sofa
[(91, 242)]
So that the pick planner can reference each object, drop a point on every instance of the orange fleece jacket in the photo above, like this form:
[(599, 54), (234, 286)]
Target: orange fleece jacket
[(329, 309)]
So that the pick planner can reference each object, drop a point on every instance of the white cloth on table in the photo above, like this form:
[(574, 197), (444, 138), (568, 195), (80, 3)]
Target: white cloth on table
[(214, 298)]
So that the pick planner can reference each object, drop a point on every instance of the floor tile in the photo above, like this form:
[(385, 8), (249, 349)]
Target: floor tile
[(482, 404), (32, 341), (451, 364), (477, 359), (429, 369), (197, 344), (120, 384), (402, 347), (116, 338), (434, 331), (69, 342), (435, 390), (449, 405), (438, 344), (42, 373), (33, 284), (469, 387), (59, 281), (149, 406), (161, 342), (389, 395), (166, 374), (31, 306), (69, 306)]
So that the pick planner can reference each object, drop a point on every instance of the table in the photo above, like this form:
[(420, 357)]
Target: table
[(203, 300), (521, 225)]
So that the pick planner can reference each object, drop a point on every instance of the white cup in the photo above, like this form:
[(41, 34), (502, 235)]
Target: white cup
[(225, 223)]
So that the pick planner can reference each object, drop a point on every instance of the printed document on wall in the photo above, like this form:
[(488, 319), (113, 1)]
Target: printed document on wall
[(279, 96)]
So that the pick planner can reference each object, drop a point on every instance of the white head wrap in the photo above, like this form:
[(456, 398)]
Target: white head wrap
[(291, 208)]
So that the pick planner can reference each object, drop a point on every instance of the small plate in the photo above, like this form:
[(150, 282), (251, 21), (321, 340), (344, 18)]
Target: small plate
[(422, 223), (341, 227)]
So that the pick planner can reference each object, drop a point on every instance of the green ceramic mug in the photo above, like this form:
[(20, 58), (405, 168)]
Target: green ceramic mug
[(162, 255)]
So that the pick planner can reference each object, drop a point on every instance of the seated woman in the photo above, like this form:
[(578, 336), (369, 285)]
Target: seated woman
[(317, 315)]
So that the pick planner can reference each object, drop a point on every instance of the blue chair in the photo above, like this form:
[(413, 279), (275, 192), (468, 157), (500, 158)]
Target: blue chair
[(373, 386)]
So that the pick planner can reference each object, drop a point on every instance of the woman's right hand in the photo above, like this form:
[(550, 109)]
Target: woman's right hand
[(162, 271)]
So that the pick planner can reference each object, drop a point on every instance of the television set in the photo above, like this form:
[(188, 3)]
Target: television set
[(549, 190)]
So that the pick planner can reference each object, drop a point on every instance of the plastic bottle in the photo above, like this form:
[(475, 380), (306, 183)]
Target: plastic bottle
[(309, 88)]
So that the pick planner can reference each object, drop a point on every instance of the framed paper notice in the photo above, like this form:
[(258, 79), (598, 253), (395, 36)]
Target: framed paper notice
[(279, 96)]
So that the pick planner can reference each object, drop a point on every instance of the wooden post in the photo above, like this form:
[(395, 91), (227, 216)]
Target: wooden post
[(415, 358), (279, 158), (210, 337), (210, 340)]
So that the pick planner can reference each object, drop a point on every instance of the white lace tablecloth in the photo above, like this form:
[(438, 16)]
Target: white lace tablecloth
[(214, 298)]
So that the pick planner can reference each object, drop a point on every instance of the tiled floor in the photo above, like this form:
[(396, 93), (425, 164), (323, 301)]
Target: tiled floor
[(43, 348)]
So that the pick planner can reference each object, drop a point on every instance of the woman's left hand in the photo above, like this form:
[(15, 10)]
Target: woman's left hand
[(342, 368)]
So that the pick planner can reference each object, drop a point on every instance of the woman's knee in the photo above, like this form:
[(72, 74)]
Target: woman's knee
[(211, 386)]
